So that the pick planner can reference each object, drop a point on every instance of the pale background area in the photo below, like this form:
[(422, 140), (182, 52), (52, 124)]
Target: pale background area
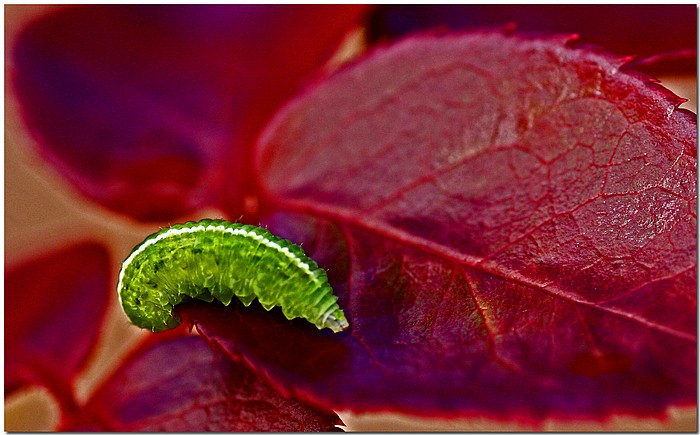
[(43, 212)]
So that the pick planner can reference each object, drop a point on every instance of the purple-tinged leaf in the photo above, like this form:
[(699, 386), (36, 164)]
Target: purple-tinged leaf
[(54, 308), (179, 384), (151, 110), (509, 223)]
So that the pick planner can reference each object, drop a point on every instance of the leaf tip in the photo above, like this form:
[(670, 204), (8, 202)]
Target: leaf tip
[(570, 38)]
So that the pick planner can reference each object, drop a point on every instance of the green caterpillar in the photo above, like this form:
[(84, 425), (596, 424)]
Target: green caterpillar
[(217, 259)]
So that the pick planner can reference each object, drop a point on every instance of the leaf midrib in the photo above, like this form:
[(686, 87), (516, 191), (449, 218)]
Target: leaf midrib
[(341, 214)]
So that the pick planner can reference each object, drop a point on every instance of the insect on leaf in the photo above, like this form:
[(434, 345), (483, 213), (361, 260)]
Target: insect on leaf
[(216, 259)]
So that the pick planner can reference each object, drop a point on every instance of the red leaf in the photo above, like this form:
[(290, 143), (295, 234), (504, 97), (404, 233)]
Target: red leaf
[(180, 384), (150, 110), (54, 306), (510, 225)]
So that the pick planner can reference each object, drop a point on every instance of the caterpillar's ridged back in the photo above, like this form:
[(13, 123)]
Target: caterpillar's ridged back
[(217, 259)]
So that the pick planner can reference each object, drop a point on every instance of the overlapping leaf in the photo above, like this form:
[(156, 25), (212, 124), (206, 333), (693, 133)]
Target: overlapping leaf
[(510, 225), (151, 110), (54, 308), (179, 384)]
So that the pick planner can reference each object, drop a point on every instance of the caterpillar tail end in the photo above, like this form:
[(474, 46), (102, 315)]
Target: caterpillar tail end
[(335, 320)]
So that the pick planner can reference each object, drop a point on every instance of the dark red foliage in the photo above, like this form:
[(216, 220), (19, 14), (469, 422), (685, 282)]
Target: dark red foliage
[(152, 110), (631, 29), (54, 306), (509, 222), (179, 384)]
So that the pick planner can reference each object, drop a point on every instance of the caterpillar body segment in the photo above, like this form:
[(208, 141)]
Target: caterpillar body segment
[(217, 259)]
